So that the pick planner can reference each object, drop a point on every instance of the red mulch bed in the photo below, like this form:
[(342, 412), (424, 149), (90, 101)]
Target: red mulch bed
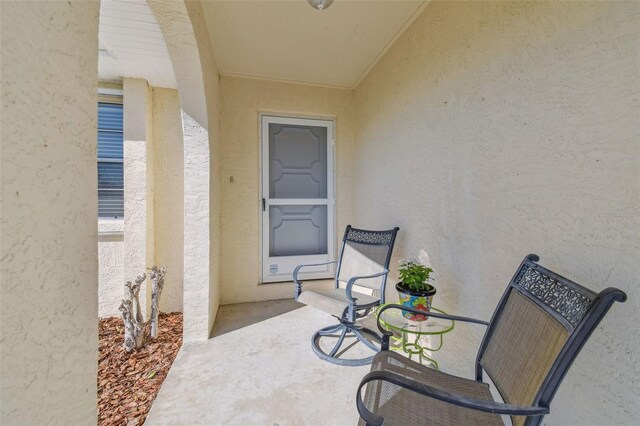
[(129, 382)]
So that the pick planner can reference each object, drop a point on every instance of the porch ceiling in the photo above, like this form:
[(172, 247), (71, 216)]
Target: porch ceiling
[(291, 41), (132, 45)]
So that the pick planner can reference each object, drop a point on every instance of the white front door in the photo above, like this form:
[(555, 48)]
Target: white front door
[(297, 197)]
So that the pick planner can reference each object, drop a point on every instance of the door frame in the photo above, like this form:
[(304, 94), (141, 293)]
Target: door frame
[(324, 272)]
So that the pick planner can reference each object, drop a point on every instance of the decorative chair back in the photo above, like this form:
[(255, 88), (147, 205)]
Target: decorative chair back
[(365, 253), (541, 323)]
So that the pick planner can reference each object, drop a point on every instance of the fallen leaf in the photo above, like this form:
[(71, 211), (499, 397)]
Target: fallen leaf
[(124, 388)]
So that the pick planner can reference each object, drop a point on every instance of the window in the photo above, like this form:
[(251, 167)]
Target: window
[(110, 167)]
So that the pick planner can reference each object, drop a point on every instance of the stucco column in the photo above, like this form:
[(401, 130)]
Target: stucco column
[(49, 214), (169, 195), (138, 183), (198, 97), (196, 229)]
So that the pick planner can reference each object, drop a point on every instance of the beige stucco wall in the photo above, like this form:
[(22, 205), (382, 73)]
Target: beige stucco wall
[(110, 266), (165, 247), (211, 80), (169, 194), (182, 25), (242, 102), (48, 244), (139, 184), (495, 129)]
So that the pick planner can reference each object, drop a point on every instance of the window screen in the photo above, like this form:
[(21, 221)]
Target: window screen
[(110, 170)]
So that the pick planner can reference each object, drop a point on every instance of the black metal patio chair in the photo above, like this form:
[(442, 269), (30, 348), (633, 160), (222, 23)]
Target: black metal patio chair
[(541, 323), (363, 261)]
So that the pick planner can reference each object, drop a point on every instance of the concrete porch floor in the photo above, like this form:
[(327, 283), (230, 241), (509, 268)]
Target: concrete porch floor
[(264, 373)]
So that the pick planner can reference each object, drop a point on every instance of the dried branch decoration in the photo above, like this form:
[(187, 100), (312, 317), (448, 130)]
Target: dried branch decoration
[(132, 315), (157, 279)]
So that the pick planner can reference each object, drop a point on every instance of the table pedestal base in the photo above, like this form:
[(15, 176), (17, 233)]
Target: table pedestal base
[(415, 348)]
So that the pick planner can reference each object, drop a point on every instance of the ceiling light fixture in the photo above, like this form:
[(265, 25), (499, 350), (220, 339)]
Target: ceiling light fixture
[(320, 4)]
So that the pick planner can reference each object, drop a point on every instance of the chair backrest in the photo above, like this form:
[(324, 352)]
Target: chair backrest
[(541, 323), (365, 253)]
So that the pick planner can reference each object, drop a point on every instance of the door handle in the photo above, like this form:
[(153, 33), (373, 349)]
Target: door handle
[(264, 204)]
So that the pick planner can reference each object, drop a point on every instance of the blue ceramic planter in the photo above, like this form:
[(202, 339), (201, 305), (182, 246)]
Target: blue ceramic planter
[(420, 300)]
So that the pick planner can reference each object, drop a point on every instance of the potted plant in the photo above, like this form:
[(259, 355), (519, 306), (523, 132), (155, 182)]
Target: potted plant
[(414, 289)]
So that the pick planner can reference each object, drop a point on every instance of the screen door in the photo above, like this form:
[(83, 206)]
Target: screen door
[(297, 197)]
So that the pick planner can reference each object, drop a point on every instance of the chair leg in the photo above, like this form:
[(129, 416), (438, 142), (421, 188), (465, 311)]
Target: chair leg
[(344, 329), (340, 340), (328, 331), (364, 340)]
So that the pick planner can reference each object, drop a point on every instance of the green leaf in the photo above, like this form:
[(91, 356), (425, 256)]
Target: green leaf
[(414, 274)]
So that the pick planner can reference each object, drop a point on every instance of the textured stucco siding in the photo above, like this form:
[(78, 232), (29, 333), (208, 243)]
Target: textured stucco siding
[(211, 80), (111, 266), (496, 129), (138, 183), (182, 25), (243, 100), (166, 245), (169, 194), (49, 217)]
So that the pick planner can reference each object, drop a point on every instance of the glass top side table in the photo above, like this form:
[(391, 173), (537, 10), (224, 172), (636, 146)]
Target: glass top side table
[(411, 333)]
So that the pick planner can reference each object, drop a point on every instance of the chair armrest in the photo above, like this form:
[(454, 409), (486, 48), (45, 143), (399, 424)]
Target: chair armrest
[(352, 281), (448, 397), (386, 333), (298, 288)]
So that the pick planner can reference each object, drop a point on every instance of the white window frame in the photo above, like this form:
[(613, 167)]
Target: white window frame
[(111, 96)]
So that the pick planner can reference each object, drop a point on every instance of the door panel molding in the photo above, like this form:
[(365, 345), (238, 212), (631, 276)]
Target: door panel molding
[(297, 178)]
